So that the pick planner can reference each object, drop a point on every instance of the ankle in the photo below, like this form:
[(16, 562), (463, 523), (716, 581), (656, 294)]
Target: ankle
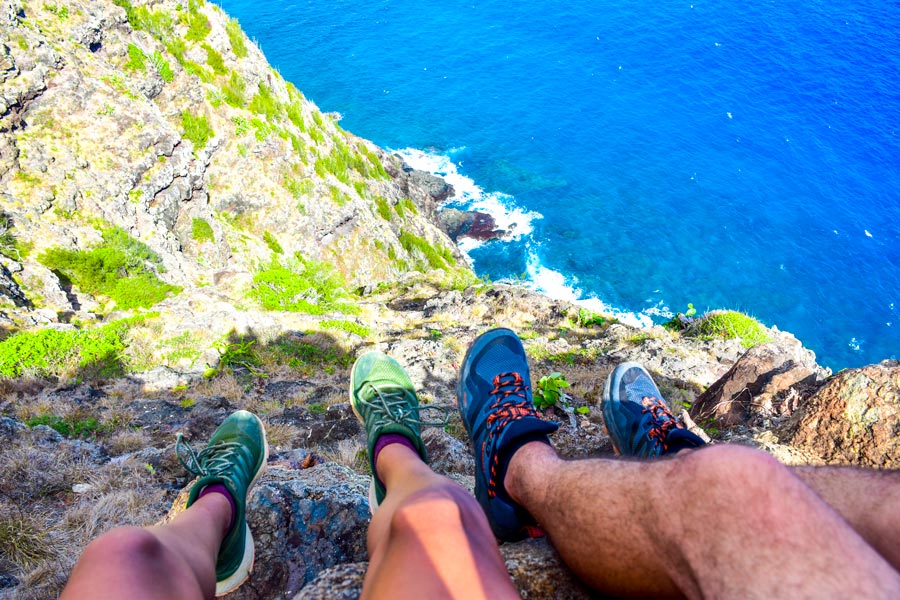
[(522, 466)]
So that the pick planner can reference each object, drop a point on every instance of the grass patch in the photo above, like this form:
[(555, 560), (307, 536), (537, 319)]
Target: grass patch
[(197, 129), (383, 208), (234, 90), (729, 324), (162, 66), (236, 38), (272, 243), (202, 231), (436, 258), (117, 269), (215, 60), (348, 326), (136, 59), (264, 103), (301, 285), (94, 352), (70, 428)]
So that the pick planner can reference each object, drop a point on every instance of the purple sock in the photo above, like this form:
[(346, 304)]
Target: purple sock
[(391, 438), (218, 488)]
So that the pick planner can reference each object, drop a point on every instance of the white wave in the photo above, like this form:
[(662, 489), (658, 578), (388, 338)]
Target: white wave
[(509, 217), (867, 233), (555, 285)]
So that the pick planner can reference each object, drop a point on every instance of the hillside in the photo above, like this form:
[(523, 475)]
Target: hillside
[(184, 234)]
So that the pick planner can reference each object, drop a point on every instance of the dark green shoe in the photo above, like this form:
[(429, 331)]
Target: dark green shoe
[(235, 457), (383, 399)]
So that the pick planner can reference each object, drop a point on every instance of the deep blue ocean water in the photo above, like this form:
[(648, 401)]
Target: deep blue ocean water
[(730, 155)]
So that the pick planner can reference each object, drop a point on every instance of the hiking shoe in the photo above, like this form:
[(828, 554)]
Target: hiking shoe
[(235, 457), (384, 400), (637, 417), (494, 399)]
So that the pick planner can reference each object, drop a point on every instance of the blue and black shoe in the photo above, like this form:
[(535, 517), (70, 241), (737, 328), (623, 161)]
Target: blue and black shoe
[(495, 404), (638, 420)]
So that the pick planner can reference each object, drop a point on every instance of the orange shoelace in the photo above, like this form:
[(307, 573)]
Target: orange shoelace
[(509, 404), (663, 420)]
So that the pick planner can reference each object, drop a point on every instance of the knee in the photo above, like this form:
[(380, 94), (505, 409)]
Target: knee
[(431, 511), (130, 546)]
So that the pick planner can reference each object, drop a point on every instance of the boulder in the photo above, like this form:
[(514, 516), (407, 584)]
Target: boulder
[(755, 384), (854, 418)]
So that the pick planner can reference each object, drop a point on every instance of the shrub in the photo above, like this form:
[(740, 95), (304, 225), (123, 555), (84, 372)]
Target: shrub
[(115, 269), (348, 326), (49, 352), (236, 38), (264, 103), (162, 66), (272, 243), (383, 208), (136, 58), (215, 60), (301, 285), (728, 324), (234, 90), (202, 231), (437, 258), (196, 129), (198, 26), (549, 390)]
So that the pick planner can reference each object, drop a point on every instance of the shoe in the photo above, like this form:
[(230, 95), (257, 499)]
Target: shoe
[(637, 417), (384, 400), (235, 457), (494, 399)]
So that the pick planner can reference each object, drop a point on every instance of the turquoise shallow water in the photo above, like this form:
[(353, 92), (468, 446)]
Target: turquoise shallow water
[(742, 156)]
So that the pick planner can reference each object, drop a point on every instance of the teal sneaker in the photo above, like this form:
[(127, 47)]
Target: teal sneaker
[(235, 457), (384, 400), (638, 420)]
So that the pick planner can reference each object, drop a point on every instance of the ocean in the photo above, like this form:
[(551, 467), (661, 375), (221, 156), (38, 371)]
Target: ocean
[(642, 155)]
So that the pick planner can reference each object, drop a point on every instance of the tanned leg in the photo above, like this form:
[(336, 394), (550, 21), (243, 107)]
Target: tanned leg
[(868, 499), (430, 538), (723, 521), (175, 560)]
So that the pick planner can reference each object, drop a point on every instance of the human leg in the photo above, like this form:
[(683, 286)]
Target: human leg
[(428, 537), (207, 549), (706, 522)]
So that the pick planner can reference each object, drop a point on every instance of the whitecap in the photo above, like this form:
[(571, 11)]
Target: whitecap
[(854, 344), (508, 217), (867, 233)]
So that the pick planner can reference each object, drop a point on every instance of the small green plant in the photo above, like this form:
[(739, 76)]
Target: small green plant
[(188, 403), (548, 391), (265, 103), (583, 410), (197, 129), (234, 90), (236, 38), (215, 60), (729, 324), (241, 125), (70, 428), (272, 243), (202, 231), (436, 258), (383, 208), (348, 326), (587, 318), (239, 353), (162, 66), (198, 26), (301, 285), (136, 59)]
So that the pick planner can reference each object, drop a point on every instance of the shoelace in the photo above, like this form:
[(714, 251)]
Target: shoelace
[(510, 403), (663, 421), (392, 405), (212, 460)]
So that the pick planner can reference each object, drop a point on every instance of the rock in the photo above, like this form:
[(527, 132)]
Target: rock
[(538, 572), (446, 454), (471, 224), (342, 582), (755, 384), (854, 418), (304, 522), (10, 428), (434, 186)]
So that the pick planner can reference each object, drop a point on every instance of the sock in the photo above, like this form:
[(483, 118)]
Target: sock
[(679, 439), (218, 488), (386, 440)]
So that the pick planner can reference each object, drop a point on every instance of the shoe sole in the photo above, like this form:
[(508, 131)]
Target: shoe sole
[(606, 402), (243, 571)]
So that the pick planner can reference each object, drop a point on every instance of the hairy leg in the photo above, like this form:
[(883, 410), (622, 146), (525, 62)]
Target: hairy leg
[(175, 560), (723, 521), (868, 499), (429, 538)]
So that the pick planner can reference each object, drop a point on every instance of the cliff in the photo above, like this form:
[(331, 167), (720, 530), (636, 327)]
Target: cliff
[(184, 234)]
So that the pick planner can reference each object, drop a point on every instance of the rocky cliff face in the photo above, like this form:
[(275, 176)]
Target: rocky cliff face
[(184, 234)]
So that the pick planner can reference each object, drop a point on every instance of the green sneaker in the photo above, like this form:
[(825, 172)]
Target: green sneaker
[(383, 399), (235, 457)]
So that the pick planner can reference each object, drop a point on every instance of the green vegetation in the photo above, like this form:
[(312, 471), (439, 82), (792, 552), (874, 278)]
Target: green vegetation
[(158, 22), (236, 38), (587, 318), (116, 269), (302, 285), (405, 205), (548, 391), (234, 90), (241, 125), (348, 326), (198, 24), (136, 59), (383, 208), (49, 352), (338, 196), (69, 427), (196, 129), (436, 258), (729, 324), (264, 103), (162, 66), (215, 60), (571, 357), (272, 243), (202, 231)]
